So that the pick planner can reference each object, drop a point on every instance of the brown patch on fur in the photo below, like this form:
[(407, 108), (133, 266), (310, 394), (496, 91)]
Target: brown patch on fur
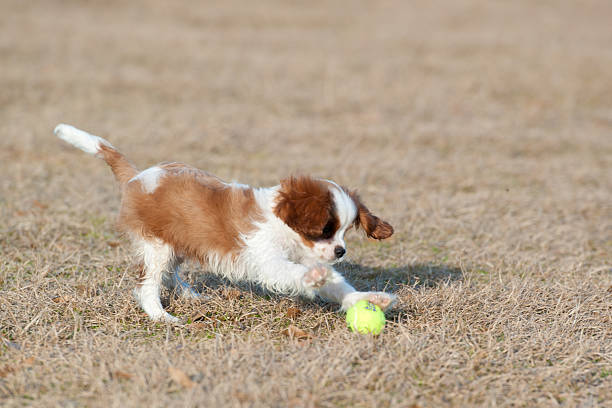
[(121, 167), (191, 210), (373, 226), (309, 243), (306, 205)]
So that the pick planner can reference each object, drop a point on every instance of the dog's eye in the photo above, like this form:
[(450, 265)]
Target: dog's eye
[(328, 230)]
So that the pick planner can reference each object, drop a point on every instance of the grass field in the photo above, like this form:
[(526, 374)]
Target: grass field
[(481, 130)]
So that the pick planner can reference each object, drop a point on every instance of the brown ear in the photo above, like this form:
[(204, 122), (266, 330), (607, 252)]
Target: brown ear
[(304, 204), (373, 226)]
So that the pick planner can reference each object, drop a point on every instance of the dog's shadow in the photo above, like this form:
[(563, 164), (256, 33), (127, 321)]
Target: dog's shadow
[(363, 278), (392, 279)]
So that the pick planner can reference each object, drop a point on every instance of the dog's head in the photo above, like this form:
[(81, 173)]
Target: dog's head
[(321, 212)]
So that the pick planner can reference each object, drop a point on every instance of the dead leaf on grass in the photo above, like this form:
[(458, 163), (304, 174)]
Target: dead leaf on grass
[(203, 319), (28, 362), (6, 370), (86, 291), (122, 375), (198, 316), (293, 312), (180, 377), (242, 397), (40, 205), (294, 332), (232, 294), (199, 325), (61, 299)]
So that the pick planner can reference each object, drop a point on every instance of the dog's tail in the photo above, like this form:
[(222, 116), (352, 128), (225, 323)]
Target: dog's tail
[(94, 145)]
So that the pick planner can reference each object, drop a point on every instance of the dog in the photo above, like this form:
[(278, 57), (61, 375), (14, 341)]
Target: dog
[(285, 238)]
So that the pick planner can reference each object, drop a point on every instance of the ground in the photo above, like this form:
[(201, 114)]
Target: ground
[(481, 130)]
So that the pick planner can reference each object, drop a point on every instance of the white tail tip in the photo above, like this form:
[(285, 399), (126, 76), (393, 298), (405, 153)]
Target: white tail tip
[(79, 138)]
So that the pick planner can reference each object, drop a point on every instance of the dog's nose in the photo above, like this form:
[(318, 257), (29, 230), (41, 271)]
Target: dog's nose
[(339, 252)]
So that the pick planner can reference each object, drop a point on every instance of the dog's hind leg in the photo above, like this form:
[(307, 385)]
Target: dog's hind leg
[(173, 282), (157, 258)]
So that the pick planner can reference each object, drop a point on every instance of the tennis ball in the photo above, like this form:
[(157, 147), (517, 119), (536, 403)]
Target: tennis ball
[(365, 317)]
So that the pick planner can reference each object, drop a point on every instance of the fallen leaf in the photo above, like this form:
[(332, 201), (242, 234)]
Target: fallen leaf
[(28, 362), (233, 294), (6, 370), (122, 375), (40, 205), (295, 402), (293, 312), (242, 397), (199, 325), (294, 332), (86, 290), (197, 316), (180, 377)]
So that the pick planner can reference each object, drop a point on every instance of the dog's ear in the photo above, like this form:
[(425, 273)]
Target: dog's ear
[(373, 226), (305, 205)]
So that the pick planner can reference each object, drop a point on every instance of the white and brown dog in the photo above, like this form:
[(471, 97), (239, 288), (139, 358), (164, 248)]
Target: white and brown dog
[(284, 238)]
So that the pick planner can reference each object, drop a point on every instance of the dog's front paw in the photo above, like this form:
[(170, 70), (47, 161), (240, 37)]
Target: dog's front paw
[(317, 276), (381, 299)]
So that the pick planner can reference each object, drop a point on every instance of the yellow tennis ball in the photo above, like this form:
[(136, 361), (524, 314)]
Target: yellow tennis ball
[(365, 317)]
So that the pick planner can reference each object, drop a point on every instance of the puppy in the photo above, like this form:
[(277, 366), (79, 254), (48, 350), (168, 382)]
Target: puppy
[(284, 238)]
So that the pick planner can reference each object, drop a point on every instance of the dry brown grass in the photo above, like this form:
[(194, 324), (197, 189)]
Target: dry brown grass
[(481, 130)]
